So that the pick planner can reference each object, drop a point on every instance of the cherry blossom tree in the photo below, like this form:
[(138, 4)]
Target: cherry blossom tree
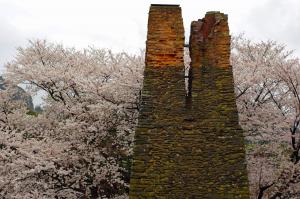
[(80, 145), (267, 92)]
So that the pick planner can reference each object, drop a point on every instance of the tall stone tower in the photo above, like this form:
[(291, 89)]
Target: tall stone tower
[(188, 146)]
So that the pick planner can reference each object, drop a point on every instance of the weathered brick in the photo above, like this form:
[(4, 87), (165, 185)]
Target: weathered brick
[(188, 146), (165, 38), (210, 41)]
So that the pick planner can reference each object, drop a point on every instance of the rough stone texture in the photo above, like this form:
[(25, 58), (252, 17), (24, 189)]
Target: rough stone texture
[(210, 41), (187, 146), (165, 39)]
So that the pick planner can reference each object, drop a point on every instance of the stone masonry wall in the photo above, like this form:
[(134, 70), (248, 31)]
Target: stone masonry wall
[(187, 146), (210, 41), (165, 39)]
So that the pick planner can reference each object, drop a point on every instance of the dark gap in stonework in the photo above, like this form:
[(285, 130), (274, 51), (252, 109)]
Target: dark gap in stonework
[(188, 75)]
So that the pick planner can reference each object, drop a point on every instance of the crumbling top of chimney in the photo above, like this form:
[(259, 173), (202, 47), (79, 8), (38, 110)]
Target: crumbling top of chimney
[(212, 12)]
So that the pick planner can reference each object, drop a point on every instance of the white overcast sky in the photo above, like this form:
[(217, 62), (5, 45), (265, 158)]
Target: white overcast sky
[(122, 25)]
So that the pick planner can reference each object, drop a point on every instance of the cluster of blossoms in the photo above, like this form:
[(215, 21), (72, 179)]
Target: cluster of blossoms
[(80, 144)]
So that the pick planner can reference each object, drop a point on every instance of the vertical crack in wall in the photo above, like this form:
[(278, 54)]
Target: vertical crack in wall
[(188, 146), (188, 76)]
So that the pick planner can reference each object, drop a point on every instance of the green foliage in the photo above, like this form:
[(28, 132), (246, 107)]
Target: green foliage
[(32, 113)]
